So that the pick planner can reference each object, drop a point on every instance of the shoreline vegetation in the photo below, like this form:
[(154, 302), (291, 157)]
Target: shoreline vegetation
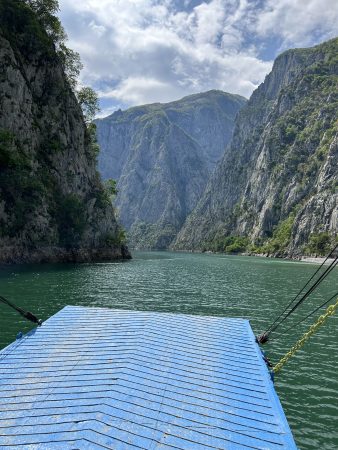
[(278, 246), (311, 259)]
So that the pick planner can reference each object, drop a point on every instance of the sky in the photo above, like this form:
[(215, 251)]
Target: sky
[(144, 51)]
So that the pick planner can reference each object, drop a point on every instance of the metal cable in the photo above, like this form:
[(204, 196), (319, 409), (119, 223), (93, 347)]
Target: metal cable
[(306, 317), (271, 328), (264, 337), (26, 314), (304, 297)]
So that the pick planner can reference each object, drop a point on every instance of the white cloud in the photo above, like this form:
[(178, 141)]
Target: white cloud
[(299, 23), (143, 51), (137, 91), (99, 30)]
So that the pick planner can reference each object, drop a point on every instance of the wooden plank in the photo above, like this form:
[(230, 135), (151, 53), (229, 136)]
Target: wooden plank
[(101, 378)]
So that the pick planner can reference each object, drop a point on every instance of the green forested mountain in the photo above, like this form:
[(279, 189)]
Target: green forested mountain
[(162, 156), (276, 189), (53, 206)]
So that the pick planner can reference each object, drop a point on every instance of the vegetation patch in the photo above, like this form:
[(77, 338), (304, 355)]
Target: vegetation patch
[(319, 244), (280, 239), (71, 220), (116, 239), (10, 154), (228, 244)]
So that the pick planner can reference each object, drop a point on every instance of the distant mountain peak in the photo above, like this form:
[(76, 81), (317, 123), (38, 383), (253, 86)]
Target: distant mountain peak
[(162, 155)]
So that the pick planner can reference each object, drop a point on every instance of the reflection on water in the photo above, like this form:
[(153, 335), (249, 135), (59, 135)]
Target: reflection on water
[(253, 288)]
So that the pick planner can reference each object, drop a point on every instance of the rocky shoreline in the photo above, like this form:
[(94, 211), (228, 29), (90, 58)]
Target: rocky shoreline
[(15, 255), (316, 260), (298, 258)]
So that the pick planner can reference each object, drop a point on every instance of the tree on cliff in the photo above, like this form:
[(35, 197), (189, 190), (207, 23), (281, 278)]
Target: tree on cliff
[(46, 11), (89, 103)]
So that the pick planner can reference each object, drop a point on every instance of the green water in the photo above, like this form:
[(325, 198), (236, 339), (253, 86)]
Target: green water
[(254, 288)]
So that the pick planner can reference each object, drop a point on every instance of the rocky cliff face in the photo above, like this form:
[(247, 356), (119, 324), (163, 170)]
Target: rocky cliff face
[(53, 206), (275, 191), (162, 156)]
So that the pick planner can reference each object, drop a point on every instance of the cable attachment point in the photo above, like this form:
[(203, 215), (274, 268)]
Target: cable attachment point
[(263, 338), (267, 361), (30, 316), (26, 314)]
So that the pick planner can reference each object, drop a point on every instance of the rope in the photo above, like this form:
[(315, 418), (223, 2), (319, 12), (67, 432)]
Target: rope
[(299, 344), (26, 314)]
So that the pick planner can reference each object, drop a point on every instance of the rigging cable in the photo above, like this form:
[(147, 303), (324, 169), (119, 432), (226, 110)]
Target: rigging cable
[(306, 317), (264, 337), (26, 314), (312, 288), (302, 289)]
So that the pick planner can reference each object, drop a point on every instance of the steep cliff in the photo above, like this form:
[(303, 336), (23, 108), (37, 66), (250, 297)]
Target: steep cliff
[(162, 156), (53, 206), (275, 191)]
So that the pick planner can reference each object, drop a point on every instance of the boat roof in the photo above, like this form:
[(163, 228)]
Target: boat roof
[(93, 378)]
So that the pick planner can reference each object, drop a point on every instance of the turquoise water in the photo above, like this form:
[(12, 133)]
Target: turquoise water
[(254, 288)]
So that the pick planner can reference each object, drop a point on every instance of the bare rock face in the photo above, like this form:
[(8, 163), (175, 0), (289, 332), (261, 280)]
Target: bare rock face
[(53, 206), (277, 183), (162, 156)]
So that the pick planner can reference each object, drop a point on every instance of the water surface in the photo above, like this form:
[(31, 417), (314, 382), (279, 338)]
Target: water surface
[(249, 287)]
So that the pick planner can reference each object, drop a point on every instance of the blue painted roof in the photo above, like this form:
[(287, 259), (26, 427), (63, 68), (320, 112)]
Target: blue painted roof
[(93, 378)]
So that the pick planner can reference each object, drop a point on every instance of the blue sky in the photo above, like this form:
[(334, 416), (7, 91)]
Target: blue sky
[(144, 51)]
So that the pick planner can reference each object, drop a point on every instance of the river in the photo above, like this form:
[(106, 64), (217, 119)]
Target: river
[(204, 284)]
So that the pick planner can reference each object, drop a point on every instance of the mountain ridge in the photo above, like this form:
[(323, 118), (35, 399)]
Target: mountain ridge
[(162, 156), (281, 166)]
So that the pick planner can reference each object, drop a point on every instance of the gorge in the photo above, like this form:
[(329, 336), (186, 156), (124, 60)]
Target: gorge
[(187, 181), (162, 156)]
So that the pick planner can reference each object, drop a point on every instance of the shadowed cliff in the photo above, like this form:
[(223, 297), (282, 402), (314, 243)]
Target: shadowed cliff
[(53, 206)]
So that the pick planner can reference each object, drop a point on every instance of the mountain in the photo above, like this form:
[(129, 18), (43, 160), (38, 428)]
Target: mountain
[(162, 156), (276, 188), (53, 206)]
